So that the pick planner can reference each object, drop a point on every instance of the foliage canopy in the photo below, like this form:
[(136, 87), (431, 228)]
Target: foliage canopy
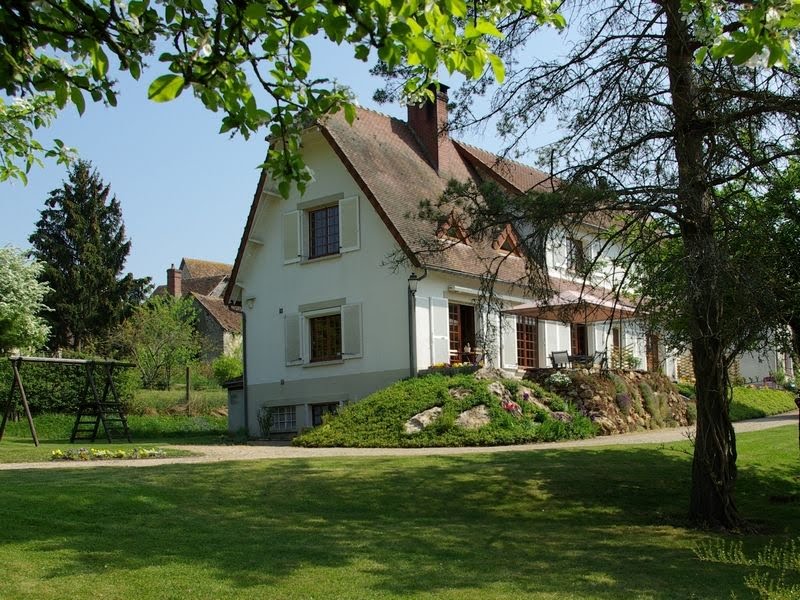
[(80, 239)]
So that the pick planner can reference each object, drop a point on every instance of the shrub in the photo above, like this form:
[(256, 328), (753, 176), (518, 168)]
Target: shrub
[(556, 403), (379, 419), (54, 388), (226, 368), (691, 412), (512, 386), (558, 379), (685, 389), (752, 403), (652, 404), (264, 418), (624, 402)]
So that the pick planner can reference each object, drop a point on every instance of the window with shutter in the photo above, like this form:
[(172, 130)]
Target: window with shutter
[(291, 237)]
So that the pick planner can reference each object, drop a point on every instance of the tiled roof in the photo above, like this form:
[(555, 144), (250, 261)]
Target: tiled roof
[(521, 178), (194, 268), (228, 319), (203, 285), (385, 158)]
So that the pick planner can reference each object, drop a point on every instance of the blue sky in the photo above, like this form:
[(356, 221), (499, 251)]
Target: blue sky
[(184, 189)]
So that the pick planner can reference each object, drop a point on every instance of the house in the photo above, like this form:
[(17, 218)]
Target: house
[(327, 322), (205, 282), (329, 317)]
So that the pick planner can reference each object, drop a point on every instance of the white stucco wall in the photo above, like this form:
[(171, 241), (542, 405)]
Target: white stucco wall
[(272, 290)]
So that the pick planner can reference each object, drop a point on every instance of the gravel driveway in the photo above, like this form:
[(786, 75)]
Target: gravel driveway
[(282, 450)]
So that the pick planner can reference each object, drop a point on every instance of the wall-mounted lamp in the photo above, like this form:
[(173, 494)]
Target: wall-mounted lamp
[(250, 303), (413, 282)]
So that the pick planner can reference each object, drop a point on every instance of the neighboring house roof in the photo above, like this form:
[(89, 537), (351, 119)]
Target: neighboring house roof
[(389, 163), (228, 319), (194, 268), (206, 286)]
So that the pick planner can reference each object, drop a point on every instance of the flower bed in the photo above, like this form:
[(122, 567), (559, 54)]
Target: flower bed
[(96, 454)]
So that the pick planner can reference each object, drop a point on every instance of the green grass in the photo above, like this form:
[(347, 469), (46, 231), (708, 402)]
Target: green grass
[(54, 432), (379, 419), (591, 524), (201, 402), (752, 403)]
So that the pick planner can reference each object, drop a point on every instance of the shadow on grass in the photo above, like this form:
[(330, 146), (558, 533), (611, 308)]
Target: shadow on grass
[(605, 523)]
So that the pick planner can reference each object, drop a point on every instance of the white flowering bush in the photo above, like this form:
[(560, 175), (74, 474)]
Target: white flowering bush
[(558, 379)]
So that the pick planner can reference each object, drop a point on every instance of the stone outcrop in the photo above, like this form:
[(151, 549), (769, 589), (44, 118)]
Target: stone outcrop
[(474, 418), (421, 420), (621, 401)]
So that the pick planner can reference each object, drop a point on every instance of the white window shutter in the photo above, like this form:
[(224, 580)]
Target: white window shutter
[(509, 333), (291, 237), (440, 331), (560, 251), (348, 224), (351, 331), (294, 336)]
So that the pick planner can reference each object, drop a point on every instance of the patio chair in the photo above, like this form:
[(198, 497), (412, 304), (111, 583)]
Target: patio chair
[(559, 359)]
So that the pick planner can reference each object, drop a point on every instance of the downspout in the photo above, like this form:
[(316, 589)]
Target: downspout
[(244, 372), (413, 280), (240, 310)]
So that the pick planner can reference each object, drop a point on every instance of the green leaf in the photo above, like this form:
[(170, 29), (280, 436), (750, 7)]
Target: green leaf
[(99, 60), (349, 113), (362, 52), (135, 68), (256, 11), (165, 88), (76, 96), (745, 51), (701, 55), (456, 8), (498, 68), (284, 187)]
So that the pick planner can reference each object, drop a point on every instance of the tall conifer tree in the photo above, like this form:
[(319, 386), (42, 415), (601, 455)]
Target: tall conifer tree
[(81, 240)]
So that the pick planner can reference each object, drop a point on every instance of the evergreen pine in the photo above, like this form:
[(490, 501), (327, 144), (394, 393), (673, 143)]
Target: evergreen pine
[(80, 239)]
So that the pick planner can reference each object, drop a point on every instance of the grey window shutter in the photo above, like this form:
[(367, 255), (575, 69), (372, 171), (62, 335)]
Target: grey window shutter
[(351, 331), (440, 331), (293, 346), (348, 224), (509, 333), (291, 237)]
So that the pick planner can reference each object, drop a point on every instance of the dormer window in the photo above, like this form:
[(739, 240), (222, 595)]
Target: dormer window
[(507, 242), (453, 230)]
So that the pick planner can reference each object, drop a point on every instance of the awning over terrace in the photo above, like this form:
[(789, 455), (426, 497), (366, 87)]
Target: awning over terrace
[(572, 306)]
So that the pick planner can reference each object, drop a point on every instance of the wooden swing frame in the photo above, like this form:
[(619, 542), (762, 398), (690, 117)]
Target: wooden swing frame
[(96, 407)]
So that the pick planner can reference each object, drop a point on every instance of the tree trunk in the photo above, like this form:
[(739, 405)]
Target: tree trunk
[(714, 465)]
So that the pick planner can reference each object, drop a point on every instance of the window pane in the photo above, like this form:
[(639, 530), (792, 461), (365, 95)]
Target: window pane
[(326, 338), (324, 231), (283, 418)]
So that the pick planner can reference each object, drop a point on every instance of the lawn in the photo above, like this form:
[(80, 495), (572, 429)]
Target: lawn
[(591, 523), (146, 432)]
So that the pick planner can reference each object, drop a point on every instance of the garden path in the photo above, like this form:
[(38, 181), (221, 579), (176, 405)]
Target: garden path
[(282, 450)]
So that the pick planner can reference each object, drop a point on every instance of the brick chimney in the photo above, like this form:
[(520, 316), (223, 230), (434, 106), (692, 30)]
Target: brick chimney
[(174, 281), (428, 121)]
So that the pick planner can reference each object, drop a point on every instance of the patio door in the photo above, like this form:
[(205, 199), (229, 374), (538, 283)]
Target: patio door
[(527, 343), (580, 339), (462, 333)]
